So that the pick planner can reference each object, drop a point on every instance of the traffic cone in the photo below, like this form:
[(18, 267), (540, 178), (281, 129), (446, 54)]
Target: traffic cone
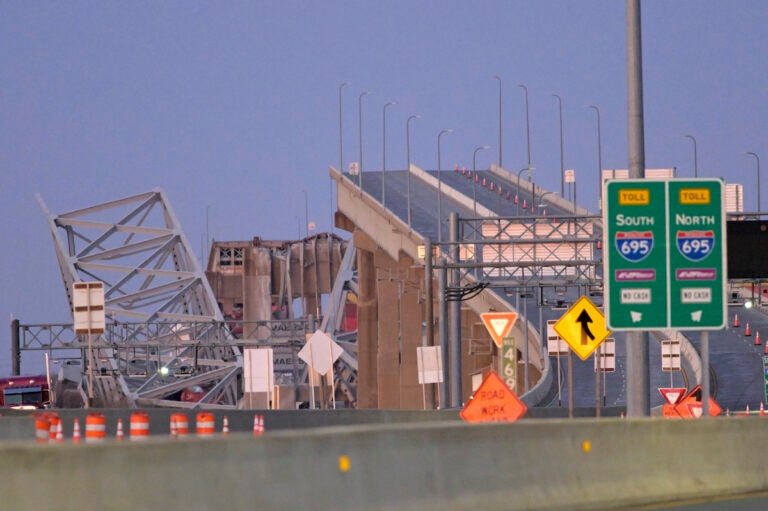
[(757, 338), (120, 433), (765, 352), (762, 410), (491, 187), (76, 431), (463, 170), (60, 432), (225, 427), (456, 169), (477, 178), (261, 425), (747, 412), (484, 184), (735, 321), (256, 425), (747, 333)]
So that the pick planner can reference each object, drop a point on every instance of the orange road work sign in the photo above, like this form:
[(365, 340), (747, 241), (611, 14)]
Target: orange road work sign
[(493, 402), (690, 407), (498, 324)]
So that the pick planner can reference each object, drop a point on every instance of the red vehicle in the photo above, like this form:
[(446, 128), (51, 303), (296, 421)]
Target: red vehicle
[(25, 392)]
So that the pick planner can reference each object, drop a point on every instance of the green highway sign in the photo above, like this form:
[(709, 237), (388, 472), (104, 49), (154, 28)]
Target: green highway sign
[(665, 254)]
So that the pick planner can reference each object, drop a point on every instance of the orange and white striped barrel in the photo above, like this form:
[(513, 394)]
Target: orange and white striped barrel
[(180, 424), (95, 428), (54, 428), (206, 424), (139, 426), (42, 428)]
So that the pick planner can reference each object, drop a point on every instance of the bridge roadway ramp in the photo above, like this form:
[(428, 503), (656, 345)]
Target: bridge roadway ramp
[(532, 465), (383, 218)]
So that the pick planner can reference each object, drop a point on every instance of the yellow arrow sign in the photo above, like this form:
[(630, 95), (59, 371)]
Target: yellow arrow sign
[(583, 327)]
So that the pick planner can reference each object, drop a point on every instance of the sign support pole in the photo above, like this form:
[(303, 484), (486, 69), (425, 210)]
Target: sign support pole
[(597, 382), (638, 386), (705, 373), (570, 385)]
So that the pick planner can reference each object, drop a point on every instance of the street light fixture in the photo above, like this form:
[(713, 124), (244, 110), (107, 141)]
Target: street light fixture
[(500, 145), (517, 193), (384, 149), (757, 159), (474, 177), (408, 156), (695, 156), (439, 187), (562, 164), (360, 121), (599, 160), (541, 198)]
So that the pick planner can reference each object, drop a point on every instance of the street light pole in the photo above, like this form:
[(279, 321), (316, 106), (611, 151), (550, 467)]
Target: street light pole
[(439, 187), (500, 145), (757, 158), (599, 160), (341, 133), (474, 177), (408, 166), (384, 149), (562, 163), (695, 156), (341, 151), (527, 126), (360, 129)]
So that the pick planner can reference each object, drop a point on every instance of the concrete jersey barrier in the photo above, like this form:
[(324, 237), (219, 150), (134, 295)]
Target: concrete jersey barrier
[(577, 464)]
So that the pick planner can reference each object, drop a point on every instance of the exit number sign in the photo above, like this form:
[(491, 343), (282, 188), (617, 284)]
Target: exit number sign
[(665, 254)]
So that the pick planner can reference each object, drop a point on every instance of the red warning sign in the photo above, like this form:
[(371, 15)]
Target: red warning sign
[(493, 402), (673, 395)]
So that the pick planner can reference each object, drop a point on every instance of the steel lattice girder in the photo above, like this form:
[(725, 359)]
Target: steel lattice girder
[(136, 247)]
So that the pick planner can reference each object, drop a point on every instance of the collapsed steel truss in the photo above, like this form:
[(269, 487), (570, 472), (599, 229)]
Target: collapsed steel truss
[(156, 291)]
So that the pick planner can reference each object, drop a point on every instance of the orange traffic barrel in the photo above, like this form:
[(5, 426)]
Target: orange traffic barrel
[(206, 424), (42, 428), (95, 427), (180, 424), (139, 426), (55, 430)]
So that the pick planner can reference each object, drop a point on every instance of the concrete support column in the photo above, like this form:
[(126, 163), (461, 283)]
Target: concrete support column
[(367, 336)]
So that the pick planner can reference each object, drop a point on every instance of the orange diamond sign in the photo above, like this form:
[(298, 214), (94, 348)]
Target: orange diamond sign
[(499, 324), (493, 402), (690, 407)]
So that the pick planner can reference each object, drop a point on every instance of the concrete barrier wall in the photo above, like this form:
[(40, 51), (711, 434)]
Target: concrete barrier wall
[(19, 425), (578, 464)]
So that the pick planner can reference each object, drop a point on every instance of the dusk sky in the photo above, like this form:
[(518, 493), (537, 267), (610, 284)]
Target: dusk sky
[(232, 106)]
